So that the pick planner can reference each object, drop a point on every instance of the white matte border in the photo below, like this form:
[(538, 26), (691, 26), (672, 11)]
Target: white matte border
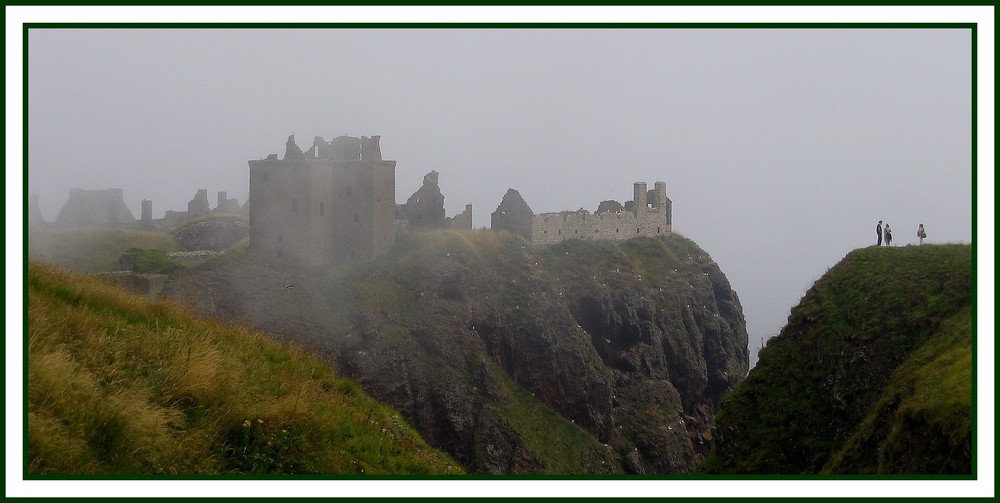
[(16, 16)]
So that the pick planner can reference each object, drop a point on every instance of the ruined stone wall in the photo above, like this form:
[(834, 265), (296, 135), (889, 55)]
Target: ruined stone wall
[(513, 214), (463, 220), (199, 204), (226, 204), (648, 215), (550, 228)]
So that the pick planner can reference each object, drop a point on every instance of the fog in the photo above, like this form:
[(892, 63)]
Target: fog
[(780, 148)]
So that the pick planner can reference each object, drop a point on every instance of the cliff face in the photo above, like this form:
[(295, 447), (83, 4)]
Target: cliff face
[(584, 357), (872, 374)]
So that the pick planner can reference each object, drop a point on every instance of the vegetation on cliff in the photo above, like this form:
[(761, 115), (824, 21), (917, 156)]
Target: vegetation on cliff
[(121, 385), (92, 249), (582, 357), (872, 374)]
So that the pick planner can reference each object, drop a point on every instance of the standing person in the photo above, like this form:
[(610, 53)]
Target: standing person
[(878, 232), (921, 234), (888, 234)]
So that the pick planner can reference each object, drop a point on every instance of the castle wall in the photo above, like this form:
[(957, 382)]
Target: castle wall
[(280, 221), (321, 215), (384, 199), (648, 214), (352, 203), (463, 220), (550, 228)]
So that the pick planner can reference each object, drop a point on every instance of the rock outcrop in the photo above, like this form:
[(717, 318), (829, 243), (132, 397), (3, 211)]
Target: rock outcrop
[(582, 357), (214, 235)]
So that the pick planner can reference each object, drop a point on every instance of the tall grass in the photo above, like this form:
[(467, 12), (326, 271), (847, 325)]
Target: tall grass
[(121, 385)]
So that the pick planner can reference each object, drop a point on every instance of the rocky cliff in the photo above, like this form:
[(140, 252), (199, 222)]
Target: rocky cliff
[(583, 357)]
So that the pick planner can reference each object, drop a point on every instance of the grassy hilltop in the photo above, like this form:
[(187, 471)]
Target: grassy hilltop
[(872, 374), (121, 385)]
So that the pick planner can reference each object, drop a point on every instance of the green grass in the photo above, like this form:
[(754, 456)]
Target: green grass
[(89, 250), (121, 385), (152, 261), (923, 420), (559, 445), (876, 350)]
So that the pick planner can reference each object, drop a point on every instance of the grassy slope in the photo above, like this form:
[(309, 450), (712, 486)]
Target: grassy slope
[(922, 421), (92, 249), (872, 374), (97, 249), (121, 385)]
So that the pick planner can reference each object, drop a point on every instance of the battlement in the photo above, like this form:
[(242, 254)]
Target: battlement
[(345, 148)]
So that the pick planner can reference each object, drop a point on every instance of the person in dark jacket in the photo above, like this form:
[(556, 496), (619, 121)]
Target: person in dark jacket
[(878, 232)]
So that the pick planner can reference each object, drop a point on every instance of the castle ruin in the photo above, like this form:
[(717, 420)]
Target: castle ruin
[(424, 209), (95, 208), (648, 214), (332, 203)]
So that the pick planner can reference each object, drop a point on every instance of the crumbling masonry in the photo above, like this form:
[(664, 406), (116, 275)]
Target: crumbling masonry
[(648, 214)]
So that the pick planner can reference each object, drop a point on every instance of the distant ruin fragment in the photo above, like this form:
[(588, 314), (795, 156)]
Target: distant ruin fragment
[(463, 220), (146, 214), (513, 214), (34, 211), (332, 203), (648, 214), (199, 205), (99, 208), (610, 207), (425, 208), (225, 204)]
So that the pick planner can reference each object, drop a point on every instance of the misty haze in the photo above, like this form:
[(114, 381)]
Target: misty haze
[(592, 233)]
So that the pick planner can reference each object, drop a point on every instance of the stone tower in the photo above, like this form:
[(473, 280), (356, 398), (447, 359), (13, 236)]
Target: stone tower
[(639, 197), (332, 203)]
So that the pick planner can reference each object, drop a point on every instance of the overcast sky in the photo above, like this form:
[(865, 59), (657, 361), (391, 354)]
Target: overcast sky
[(781, 149)]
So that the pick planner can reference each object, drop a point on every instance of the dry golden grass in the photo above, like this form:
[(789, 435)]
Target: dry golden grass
[(118, 384)]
